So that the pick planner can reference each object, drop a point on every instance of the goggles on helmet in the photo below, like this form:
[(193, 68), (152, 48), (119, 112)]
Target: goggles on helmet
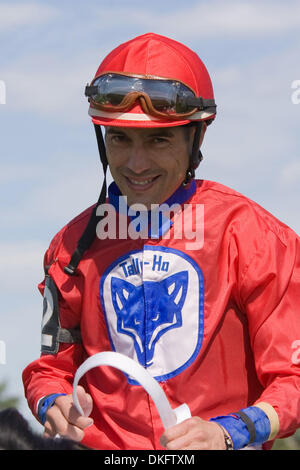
[(160, 97)]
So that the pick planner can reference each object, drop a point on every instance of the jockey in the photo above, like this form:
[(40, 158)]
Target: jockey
[(192, 280)]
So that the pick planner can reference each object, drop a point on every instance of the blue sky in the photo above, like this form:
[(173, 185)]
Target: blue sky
[(50, 171)]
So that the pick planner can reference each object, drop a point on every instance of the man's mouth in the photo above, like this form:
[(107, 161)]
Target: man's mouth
[(141, 183)]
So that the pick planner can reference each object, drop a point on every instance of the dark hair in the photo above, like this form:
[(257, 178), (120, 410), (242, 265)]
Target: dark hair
[(16, 434)]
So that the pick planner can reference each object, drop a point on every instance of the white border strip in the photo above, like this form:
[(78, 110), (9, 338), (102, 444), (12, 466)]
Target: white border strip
[(142, 117)]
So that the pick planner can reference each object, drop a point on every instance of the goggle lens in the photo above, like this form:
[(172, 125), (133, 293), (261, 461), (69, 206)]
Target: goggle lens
[(166, 96)]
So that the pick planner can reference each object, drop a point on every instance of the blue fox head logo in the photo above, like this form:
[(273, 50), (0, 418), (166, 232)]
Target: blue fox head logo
[(146, 323)]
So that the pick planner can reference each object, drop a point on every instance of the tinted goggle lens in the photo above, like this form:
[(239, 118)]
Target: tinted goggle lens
[(166, 96)]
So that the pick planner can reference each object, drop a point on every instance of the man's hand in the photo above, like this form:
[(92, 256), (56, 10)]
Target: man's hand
[(194, 434), (63, 418)]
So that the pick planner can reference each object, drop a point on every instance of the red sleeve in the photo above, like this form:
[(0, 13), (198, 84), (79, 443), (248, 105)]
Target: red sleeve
[(271, 296), (54, 373)]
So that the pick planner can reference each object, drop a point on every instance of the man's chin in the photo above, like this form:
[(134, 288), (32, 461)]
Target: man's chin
[(143, 198), (141, 201)]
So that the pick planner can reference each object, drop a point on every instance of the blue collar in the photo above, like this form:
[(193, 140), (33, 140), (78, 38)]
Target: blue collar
[(157, 226)]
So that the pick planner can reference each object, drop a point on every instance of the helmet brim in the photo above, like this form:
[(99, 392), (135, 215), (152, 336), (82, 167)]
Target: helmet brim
[(139, 119)]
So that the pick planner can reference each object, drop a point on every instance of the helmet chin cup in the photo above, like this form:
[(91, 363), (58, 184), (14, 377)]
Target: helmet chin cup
[(190, 174)]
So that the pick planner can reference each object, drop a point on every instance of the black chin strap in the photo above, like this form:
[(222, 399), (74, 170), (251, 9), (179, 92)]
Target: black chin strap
[(196, 155), (89, 233)]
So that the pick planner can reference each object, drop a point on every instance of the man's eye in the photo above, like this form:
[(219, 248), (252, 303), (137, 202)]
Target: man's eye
[(117, 138), (160, 140)]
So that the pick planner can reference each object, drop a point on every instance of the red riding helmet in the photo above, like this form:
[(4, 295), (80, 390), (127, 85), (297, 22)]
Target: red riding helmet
[(164, 62)]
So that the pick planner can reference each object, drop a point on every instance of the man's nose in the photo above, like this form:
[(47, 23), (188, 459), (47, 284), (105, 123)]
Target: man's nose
[(138, 159)]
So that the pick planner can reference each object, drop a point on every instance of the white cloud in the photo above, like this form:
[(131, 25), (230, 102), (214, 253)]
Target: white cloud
[(253, 146), (51, 85), (214, 19), (291, 173), (49, 195), (21, 267), (16, 15), (13, 173), (241, 18), (47, 85), (200, 19)]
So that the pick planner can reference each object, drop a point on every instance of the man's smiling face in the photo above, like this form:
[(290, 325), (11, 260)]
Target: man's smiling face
[(148, 165)]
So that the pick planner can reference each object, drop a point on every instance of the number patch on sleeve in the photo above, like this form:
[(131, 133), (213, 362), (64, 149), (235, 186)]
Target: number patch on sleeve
[(52, 333), (50, 322)]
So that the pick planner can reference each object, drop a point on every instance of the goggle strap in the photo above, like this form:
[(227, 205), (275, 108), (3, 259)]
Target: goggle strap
[(91, 90), (89, 233), (200, 103)]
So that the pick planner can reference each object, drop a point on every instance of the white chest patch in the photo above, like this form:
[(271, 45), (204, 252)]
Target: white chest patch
[(153, 301)]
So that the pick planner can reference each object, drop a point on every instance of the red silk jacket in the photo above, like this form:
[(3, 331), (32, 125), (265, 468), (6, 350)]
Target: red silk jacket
[(216, 323)]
